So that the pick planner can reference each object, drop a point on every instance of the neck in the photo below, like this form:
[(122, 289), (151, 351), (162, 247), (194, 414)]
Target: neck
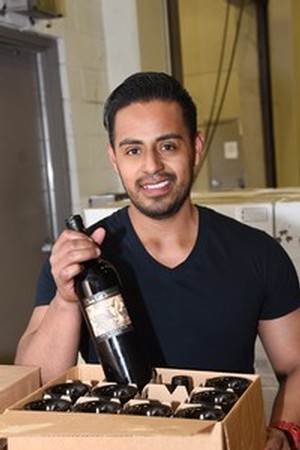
[(168, 240)]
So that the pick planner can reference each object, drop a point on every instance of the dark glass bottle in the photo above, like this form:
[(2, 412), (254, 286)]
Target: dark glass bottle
[(74, 390), (98, 288), (98, 407), (235, 383), (48, 404), (224, 399), (200, 411), (182, 380), (147, 408), (122, 392)]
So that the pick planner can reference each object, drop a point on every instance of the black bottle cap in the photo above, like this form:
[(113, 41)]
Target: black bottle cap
[(182, 380), (75, 223), (201, 412), (237, 384), (210, 396), (123, 392), (48, 404), (74, 390), (98, 407), (148, 408)]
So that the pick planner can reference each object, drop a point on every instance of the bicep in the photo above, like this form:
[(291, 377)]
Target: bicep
[(281, 340)]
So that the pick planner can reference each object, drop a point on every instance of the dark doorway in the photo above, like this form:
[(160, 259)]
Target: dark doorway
[(34, 185)]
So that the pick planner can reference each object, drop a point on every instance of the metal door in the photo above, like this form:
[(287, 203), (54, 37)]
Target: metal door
[(25, 223)]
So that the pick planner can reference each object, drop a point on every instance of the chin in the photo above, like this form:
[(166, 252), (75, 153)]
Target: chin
[(159, 212)]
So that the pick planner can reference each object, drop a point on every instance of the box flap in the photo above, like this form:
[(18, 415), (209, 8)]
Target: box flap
[(16, 382), (245, 417), (156, 442), (13, 423)]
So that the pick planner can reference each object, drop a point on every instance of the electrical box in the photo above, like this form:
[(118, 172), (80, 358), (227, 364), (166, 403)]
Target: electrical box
[(225, 157)]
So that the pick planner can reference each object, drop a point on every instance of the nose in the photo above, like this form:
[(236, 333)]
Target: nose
[(153, 162)]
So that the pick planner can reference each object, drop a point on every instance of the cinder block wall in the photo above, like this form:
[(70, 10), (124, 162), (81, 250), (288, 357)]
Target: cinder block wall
[(83, 66)]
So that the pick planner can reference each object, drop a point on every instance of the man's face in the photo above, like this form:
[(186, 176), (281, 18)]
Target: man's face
[(154, 156)]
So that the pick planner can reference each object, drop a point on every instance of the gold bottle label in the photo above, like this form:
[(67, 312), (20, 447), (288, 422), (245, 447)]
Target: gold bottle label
[(108, 314)]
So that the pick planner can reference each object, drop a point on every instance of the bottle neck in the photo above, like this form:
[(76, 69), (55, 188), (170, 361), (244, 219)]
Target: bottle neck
[(75, 223)]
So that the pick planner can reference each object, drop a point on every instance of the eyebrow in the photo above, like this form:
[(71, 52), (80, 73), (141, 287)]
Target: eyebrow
[(131, 141)]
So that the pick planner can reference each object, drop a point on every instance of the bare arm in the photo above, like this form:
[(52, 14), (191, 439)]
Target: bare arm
[(51, 339), (52, 336), (281, 339)]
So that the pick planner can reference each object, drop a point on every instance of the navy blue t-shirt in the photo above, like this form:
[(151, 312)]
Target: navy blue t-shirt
[(204, 313)]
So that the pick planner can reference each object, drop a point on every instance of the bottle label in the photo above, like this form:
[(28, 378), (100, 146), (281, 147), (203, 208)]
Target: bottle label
[(108, 315)]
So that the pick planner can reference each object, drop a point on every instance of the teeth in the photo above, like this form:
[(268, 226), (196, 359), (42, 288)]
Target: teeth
[(157, 185)]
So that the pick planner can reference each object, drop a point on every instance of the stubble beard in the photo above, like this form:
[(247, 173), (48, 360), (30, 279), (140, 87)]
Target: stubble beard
[(161, 207)]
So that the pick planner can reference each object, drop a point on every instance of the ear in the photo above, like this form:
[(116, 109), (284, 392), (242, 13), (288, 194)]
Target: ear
[(199, 149), (112, 158)]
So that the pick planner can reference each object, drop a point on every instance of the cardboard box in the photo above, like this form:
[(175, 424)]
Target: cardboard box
[(242, 429), (16, 382)]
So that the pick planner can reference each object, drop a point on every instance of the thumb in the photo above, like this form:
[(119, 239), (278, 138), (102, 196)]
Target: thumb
[(98, 235)]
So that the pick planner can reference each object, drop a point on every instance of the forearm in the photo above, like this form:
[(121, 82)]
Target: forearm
[(284, 431), (53, 345), (287, 401)]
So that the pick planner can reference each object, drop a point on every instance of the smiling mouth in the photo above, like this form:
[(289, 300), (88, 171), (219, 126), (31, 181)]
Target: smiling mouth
[(153, 186)]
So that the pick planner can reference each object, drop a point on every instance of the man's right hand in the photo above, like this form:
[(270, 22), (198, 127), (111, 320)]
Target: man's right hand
[(70, 250)]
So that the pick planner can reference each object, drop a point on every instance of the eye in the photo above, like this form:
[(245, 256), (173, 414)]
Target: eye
[(168, 147), (133, 151)]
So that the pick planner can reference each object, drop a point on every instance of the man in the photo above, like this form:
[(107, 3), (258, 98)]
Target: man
[(199, 286)]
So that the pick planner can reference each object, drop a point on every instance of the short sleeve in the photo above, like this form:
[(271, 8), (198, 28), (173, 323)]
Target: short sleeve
[(281, 288)]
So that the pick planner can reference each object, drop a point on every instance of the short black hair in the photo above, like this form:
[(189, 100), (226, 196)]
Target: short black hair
[(144, 87)]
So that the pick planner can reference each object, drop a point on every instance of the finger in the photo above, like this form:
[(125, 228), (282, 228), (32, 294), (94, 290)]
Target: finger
[(70, 251), (66, 235)]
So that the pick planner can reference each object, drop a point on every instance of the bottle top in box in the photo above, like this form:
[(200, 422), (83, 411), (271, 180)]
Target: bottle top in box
[(237, 384), (98, 407), (124, 392), (72, 389), (210, 396), (48, 404), (147, 408), (199, 411)]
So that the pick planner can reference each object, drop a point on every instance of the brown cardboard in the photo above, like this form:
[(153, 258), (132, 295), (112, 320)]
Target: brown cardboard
[(16, 382), (242, 429)]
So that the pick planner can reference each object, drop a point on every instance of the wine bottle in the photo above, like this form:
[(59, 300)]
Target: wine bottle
[(73, 390), (98, 407), (48, 404), (236, 384), (210, 396), (98, 288), (147, 408), (182, 380), (122, 392), (199, 411)]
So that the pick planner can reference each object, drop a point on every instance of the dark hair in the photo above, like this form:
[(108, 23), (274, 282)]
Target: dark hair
[(144, 87)]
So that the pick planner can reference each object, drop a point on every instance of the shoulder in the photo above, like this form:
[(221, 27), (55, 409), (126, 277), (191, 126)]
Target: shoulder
[(216, 221), (239, 237)]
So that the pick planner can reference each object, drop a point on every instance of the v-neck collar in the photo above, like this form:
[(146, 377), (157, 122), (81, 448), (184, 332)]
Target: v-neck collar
[(139, 247)]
